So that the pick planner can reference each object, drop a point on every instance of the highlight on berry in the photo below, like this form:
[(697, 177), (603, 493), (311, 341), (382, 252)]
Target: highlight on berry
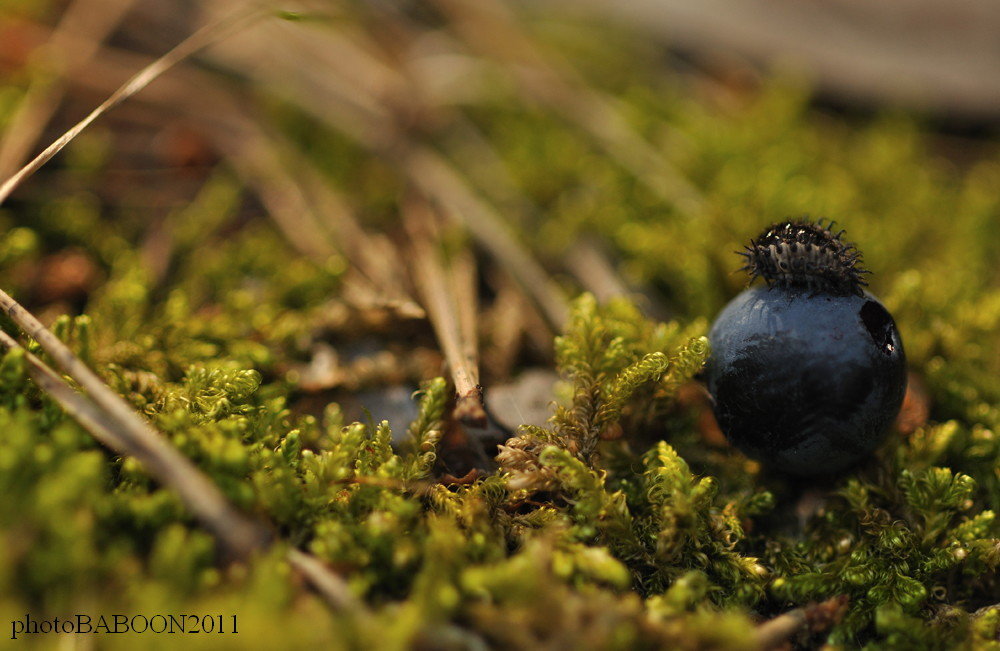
[(805, 254)]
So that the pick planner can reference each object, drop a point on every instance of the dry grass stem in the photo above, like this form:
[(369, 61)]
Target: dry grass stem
[(490, 27), (82, 410), (436, 286), (333, 590), (237, 534), (108, 417), (311, 215), (812, 619), (592, 268), (372, 254), (77, 37), (462, 285), (439, 180), (506, 330), (325, 96), (200, 39), (779, 630), (114, 424)]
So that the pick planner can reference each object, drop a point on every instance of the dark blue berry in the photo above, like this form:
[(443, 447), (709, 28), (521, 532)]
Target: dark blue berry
[(808, 373)]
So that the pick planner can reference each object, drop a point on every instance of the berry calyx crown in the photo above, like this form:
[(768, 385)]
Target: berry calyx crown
[(807, 255)]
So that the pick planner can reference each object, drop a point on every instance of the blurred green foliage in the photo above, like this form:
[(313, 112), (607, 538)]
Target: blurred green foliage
[(656, 539)]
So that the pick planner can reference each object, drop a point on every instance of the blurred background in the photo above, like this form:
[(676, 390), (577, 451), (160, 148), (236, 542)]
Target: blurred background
[(343, 194)]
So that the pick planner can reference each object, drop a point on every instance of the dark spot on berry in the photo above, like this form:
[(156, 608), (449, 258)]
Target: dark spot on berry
[(879, 324)]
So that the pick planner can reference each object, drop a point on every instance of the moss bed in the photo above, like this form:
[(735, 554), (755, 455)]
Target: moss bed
[(625, 521)]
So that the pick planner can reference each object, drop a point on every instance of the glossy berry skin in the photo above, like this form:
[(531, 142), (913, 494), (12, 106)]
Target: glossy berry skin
[(808, 383)]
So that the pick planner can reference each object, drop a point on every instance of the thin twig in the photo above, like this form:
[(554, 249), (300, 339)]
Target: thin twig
[(76, 405), (780, 629), (439, 180), (812, 619), (590, 265), (334, 591), (110, 419), (239, 535), (82, 27), (200, 39), (311, 215), (373, 124), (432, 283), (461, 282), (236, 533)]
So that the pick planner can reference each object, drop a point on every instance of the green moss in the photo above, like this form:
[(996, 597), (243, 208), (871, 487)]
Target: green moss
[(615, 525)]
